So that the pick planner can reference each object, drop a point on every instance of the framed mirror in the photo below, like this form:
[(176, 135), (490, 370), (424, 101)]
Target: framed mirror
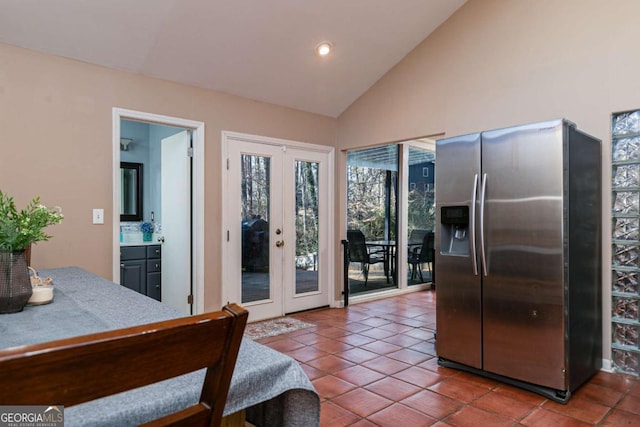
[(130, 191)]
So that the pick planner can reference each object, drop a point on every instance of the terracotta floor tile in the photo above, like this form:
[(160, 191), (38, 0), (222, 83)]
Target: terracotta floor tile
[(425, 347), (363, 423), (581, 409), (310, 338), (409, 356), (519, 394), (356, 339), (432, 404), (400, 415), (599, 394), (332, 346), (396, 327), (473, 417), (432, 365), (630, 403), (306, 354), (381, 347), (375, 364), (618, 382), (402, 340), (355, 327), (330, 386), (333, 332), (332, 415), (500, 404), (357, 355), (362, 402), (543, 418), (377, 333), (415, 323), (284, 345), (477, 379), (459, 389), (386, 365), (329, 364), (359, 375), (618, 418), (393, 388), (420, 333), (312, 372), (374, 321), (419, 377)]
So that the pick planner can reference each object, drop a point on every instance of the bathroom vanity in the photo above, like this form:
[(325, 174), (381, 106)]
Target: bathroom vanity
[(140, 269)]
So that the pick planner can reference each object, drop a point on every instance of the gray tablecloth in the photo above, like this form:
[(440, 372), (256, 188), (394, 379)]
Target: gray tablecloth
[(271, 386)]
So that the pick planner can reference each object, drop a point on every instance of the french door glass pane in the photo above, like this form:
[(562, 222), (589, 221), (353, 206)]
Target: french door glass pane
[(255, 200), (307, 226)]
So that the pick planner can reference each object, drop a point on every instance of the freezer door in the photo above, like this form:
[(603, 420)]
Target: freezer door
[(523, 291), (458, 314)]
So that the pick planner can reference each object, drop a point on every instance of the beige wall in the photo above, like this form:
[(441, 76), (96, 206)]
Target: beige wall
[(497, 63), (56, 127)]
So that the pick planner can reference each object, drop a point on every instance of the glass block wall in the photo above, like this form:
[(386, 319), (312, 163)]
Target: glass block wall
[(625, 241)]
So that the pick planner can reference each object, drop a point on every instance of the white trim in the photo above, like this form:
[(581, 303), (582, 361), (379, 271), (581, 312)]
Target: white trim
[(197, 186), (607, 365), (374, 296)]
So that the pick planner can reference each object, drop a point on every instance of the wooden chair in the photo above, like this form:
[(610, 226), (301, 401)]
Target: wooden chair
[(79, 369)]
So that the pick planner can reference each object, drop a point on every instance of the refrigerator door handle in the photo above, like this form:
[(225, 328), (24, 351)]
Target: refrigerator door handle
[(483, 194), (472, 223)]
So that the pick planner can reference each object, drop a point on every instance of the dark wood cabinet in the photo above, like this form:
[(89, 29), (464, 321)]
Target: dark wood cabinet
[(140, 269)]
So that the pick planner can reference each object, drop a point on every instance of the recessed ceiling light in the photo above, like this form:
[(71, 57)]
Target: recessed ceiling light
[(324, 49)]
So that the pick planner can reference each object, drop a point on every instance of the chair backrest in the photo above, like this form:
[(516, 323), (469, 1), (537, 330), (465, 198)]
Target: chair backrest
[(417, 236), (428, 248), (76, 370), (357, 247)]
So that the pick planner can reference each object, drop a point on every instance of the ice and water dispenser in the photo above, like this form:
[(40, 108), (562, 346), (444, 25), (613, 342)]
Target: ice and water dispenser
[(454, 230)]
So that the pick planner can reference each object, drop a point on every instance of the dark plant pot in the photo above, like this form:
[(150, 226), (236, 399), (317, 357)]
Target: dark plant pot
[(146, 237), (15, 285)]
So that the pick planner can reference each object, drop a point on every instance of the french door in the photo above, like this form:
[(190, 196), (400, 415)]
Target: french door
[(277, 252)]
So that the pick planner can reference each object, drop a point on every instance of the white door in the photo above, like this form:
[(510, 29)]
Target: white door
[(277, 256), (176, 221)]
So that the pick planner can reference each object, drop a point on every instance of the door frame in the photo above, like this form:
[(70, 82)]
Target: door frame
[(197, 185), (227, 222)]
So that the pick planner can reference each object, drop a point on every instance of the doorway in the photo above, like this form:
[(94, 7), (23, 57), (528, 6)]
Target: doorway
[(278, 251), (173, 202)]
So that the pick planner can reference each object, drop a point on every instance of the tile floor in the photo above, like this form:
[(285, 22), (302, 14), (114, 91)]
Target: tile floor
[(374, 364)]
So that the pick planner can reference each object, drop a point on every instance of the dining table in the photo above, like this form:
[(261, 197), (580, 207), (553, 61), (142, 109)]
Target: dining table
[(388, 248), (269, 387)]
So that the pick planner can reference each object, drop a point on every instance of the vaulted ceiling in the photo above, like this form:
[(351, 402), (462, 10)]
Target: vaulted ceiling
[(258, 49)]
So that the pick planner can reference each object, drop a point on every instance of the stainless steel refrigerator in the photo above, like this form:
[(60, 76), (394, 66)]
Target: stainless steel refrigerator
[(518, 254)]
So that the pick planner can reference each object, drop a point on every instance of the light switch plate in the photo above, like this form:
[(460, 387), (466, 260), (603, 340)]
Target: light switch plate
[(98, 216)]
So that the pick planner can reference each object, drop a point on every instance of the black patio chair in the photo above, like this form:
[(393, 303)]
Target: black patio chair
[(423, 255), (359, 252)]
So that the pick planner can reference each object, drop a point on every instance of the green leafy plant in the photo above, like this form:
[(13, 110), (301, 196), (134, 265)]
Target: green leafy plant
[(19, 229)]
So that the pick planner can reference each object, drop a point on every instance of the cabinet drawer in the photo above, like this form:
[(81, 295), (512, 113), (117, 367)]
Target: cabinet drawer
[(154, 251), (153, 265), (154, 289), (132, 252)]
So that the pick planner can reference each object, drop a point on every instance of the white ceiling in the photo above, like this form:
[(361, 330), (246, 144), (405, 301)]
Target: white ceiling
[(258, 49)]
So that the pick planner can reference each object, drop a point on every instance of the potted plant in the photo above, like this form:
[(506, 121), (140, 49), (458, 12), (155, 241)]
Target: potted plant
[(147, 231), (18, 230)]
